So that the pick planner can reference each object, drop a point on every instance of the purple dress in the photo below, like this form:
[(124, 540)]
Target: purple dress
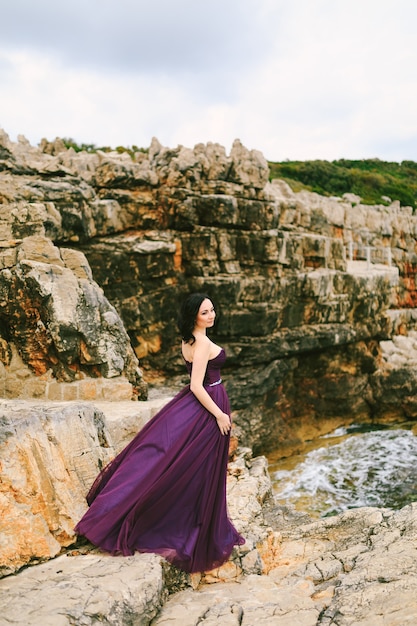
[(166, 491)]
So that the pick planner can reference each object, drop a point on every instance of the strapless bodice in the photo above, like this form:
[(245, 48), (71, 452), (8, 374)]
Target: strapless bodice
[(213, 371)]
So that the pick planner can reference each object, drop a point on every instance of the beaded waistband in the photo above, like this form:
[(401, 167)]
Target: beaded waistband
[(216, 383)]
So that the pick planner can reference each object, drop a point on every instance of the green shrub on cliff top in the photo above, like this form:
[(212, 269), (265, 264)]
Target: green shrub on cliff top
[(91, 147), (371, 179)]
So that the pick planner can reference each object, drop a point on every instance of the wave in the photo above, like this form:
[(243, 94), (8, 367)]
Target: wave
[(366, 469)]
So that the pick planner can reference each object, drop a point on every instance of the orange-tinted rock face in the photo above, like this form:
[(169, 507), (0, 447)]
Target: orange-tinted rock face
[(48, 460), (60, 320), (297, 278)]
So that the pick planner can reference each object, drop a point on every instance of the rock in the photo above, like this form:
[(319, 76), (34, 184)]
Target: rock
[(151, 227), (352, 198), (119, 170), (254, 600), (357, 568), (320, 572), (59, 318), (52, 147), (50, 454), (393, 383), (85, 589), (315, 300), (249, 166), (125, 418), (325, 563), (291, 569)]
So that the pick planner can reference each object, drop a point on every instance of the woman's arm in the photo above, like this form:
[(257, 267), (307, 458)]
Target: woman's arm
[(200, 361)]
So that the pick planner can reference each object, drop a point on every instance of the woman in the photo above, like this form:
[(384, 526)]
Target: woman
[(166, 491)]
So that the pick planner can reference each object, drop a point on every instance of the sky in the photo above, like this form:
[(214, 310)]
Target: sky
[(295, 79)]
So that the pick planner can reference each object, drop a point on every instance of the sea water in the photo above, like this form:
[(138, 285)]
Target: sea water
[(350, 468)]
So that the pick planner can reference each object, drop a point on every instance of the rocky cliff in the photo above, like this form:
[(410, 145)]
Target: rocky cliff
[(98, 248), (354, 569), (316, 302)]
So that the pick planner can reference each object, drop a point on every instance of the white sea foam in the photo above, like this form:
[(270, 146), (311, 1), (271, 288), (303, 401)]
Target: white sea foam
[(368, 469)]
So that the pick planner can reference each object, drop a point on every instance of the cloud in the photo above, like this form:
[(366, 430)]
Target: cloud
[(296, 79), (136, 36), (339, 81)]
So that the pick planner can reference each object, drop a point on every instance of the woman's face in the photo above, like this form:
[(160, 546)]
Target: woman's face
[(206, 315)]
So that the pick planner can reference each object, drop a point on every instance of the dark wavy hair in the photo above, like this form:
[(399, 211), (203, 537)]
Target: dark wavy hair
[(188, 315)]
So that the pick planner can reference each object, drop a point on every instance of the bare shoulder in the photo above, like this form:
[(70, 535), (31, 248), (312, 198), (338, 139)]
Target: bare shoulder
[(209, 348), (202, 344), (200, 348)]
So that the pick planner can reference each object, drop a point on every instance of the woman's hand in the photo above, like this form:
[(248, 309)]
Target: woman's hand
[(224, 423)]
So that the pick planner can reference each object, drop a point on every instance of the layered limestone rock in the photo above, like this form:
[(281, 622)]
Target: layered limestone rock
[(51, 453), (57, 316), (354, 569), (87, 590), (49, 456), (394, 382), (315, 301), (304, 285)]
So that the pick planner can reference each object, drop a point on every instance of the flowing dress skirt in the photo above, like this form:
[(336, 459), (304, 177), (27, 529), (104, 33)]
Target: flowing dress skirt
[(166, 491)]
